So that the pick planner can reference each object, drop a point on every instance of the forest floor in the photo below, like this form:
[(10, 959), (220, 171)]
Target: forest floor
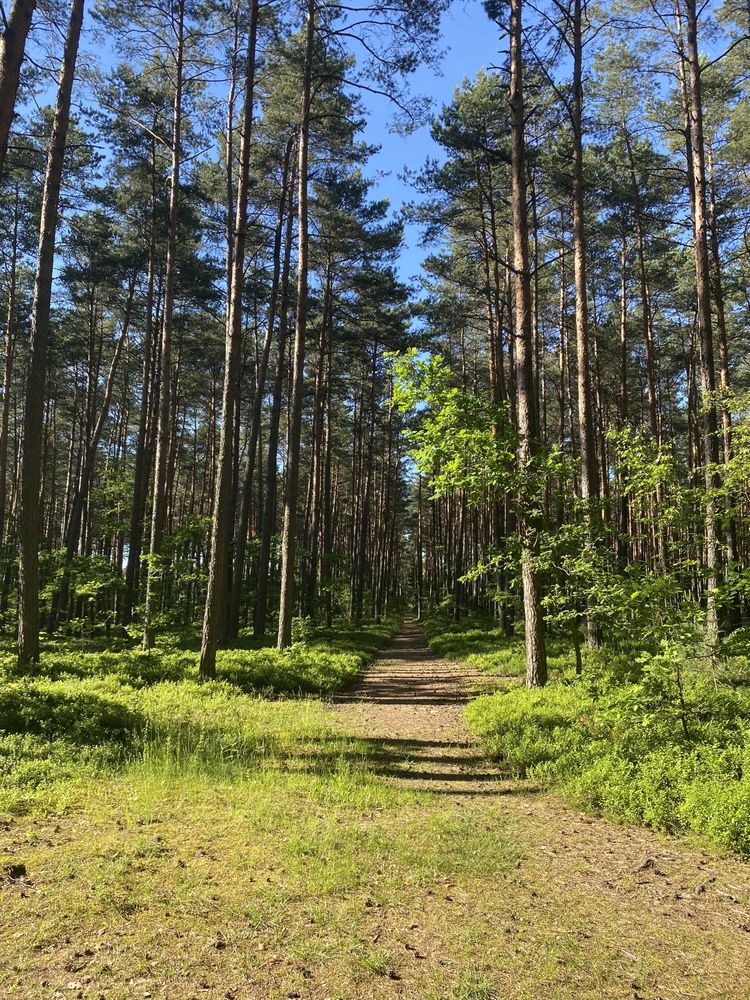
[(385, 859)]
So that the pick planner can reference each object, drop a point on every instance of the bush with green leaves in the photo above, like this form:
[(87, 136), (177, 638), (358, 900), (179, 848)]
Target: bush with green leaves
[(480, 643), (664, 741)]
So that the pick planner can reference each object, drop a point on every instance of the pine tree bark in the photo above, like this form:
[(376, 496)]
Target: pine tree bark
[(74, 526), (536, 658), (154, 583), (143, 449), (703, 314), (10, 331), (586, 439), (29, 521), (243, 522), (590, 484), (289, 537), (217, 572), (268, 517), (723, 346), (11, 56)]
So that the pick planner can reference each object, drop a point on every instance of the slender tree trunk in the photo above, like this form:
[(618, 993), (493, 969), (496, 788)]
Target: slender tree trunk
[(722, 344), (257, 410), (721, 324), (536, 658), (217, 571), (648, 328), (143, 449), (289, 538), (326, 567), (8, 372), (73, 528), (322, 387), (590, 485), (12, 49), (589, 475), (154, 584), (269, 501), (29, 522), (705, 332)]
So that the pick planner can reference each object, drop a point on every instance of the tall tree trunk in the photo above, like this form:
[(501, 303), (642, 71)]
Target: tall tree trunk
[(268, 516), (29, 521), (73, 528), (703, 313), (154, 584), (648, 324), (536, 658), (722, 343), (217, 570), (243, 522), (590, 486), (11, 56), (721, 324), (587, 446), (289, 537), (322, 391), (326, 562), (8, 371), (622, 542), (143, 449)]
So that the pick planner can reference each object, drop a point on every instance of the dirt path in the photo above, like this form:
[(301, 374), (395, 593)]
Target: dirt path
[(653, 900), (310, 879), (412, 704)]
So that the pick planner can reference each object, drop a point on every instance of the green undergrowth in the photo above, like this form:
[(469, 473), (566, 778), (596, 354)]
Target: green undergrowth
[(84, 713), (482, 644), (326, 661), (660, 738)]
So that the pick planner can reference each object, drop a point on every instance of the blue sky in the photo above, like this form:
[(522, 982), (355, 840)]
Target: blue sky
[(471, 42)]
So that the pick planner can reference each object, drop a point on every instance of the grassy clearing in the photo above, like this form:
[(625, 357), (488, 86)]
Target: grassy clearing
[(310, 877), (479, 643), (83, 713), (185, 883), (222, 845)]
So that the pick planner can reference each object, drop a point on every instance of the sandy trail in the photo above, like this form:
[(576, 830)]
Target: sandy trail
[(639, 888), (412, 703)]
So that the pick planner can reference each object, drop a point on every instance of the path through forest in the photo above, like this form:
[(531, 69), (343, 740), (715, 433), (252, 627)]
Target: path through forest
[(413, 703), (651, 900), (380, 857)]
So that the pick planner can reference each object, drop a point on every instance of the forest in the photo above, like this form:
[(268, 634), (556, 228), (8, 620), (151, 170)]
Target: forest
[(366, 529)]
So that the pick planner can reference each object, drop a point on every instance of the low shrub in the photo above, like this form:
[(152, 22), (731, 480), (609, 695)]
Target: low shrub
[(482, 644), (302, 669), (528, 728), (83, 711), (33, 769), (660, 741)]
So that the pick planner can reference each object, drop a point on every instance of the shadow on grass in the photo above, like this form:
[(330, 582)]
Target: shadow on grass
[(208, 730), (436, 766)]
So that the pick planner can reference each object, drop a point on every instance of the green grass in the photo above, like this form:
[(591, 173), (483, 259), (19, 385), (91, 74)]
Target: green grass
[(307, 874), (86, 713), (276, 876), (479, 643), (326, 662), (656, 739), (651, 737), (184, 840)]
